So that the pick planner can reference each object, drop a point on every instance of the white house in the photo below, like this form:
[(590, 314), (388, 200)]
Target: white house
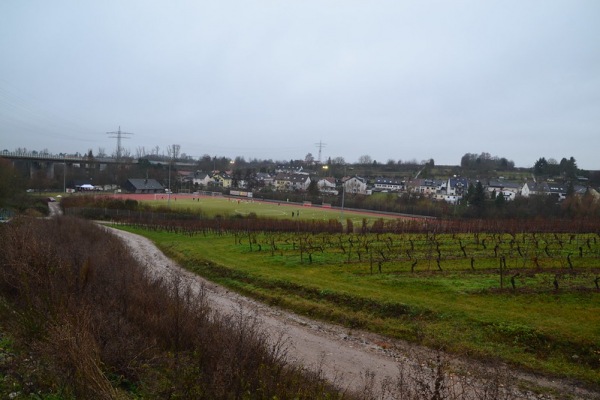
[(549, 188), (390, 184), (457, 186), (531, 188), (200, 178), (327, 185), (355, 184), (508, 189)]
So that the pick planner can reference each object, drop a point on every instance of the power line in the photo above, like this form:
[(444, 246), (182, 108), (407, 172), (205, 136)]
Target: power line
[(320, 145), (119, 136)]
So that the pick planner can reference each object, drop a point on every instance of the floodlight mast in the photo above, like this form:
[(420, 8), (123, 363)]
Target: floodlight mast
[(119, 135)]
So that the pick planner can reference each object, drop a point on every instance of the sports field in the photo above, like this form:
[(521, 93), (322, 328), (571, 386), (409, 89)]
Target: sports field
[(229, 206)]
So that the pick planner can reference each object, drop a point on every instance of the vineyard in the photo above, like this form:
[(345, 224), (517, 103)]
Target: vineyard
[(531, 299), (518, 252), (411, 246), (572, 258)]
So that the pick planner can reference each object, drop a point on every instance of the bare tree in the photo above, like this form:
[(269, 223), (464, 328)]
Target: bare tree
[(173, 151), (365, 159), (339, 161), (140, 152)]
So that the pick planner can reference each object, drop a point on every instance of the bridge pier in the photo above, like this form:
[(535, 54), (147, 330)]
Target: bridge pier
[(50, 170), (47, 166)]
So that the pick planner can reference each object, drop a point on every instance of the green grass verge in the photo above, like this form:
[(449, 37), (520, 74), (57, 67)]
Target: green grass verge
[(555, 332)]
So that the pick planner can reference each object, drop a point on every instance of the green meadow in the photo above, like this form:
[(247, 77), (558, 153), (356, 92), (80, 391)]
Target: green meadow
[(540, 311), (224, 206)]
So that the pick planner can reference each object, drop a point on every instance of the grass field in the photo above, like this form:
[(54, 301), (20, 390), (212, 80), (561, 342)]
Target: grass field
[(459, 309), (226, 206)]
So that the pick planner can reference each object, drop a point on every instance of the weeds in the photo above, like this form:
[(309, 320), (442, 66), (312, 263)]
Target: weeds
[(79, 302)]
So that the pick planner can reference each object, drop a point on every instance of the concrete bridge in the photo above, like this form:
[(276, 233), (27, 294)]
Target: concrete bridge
[(37, 161), (62, 158), (45, 161)]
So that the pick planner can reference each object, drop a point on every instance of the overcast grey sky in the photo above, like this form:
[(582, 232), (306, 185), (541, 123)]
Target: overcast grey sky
[(269, 79)]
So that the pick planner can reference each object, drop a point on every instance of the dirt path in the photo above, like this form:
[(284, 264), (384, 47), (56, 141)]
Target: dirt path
[(349, 359), (54, 209)]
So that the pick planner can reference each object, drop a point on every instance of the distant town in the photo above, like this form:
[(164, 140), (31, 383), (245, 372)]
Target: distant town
[(331, 181)]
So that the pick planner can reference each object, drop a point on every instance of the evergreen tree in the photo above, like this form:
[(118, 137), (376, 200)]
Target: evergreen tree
[(470, 193), (500, 200), (313, 188), (540, 166), (478, 198), (570, 189)]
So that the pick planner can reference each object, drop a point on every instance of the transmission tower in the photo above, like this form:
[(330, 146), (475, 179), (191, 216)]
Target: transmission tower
[(119, 136), (320, 145)]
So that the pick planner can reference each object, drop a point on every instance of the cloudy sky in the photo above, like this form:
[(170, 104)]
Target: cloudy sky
[(268, 79)]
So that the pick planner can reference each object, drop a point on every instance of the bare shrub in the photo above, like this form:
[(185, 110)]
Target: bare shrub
[(441, 378), (79, 300), (72, 345)]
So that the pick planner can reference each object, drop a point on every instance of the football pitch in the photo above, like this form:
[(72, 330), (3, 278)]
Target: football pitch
[(230, 206)]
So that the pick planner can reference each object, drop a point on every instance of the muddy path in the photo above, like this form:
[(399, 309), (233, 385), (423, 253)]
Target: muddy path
[(361, 361)]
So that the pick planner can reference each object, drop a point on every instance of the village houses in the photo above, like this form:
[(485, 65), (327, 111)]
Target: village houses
[(284, 181)]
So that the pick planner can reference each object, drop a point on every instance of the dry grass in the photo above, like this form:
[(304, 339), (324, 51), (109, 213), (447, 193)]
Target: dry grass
[(104, 330)]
